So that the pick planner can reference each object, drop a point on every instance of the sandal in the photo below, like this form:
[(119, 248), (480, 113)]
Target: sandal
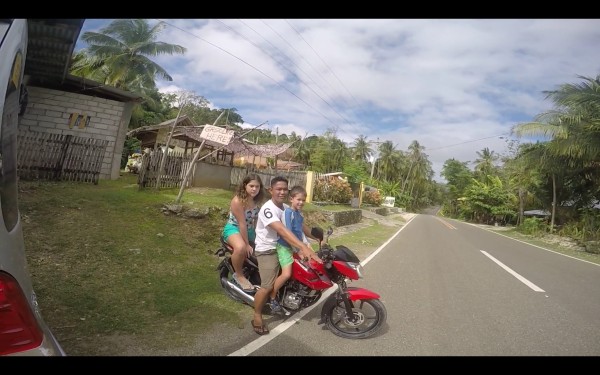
[(261, 330), (247, 287)]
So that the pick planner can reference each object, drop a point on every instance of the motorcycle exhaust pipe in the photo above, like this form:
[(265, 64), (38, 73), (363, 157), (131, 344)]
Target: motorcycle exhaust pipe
[(237, 291)]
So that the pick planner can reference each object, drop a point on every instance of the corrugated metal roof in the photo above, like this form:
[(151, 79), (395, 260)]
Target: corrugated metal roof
[(49, 52), (50, 48)]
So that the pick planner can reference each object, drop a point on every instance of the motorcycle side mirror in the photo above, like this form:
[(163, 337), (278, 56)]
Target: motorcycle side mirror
[(329, 231), (317, 233)]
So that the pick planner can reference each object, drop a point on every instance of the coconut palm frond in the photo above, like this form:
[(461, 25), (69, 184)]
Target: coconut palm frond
[(545, 130), (160, 48), (119, 54)]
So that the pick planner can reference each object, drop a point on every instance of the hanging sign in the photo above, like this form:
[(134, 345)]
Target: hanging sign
[(217, 134)]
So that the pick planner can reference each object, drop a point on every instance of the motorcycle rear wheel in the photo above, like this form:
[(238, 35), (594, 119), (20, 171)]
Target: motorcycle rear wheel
[(369, 314)]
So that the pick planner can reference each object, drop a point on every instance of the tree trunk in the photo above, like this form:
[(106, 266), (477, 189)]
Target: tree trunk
[(521, 206), (553, 202), (166, 153)]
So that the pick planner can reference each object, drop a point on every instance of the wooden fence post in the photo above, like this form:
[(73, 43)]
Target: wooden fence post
[(58, 169), (310, 185)]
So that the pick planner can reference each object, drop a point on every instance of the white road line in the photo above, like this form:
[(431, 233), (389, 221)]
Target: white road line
[(282, 327), (519, 277), (385, 243)]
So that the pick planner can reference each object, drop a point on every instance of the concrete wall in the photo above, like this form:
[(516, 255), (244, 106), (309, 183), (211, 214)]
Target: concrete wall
[(340, 218), (212, 175), (49, 111)]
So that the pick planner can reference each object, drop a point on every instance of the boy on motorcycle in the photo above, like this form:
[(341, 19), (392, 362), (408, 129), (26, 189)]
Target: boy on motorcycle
[(269, 229), (294, 221)]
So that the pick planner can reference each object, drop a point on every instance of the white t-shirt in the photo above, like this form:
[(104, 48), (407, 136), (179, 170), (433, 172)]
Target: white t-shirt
[(266, 237)]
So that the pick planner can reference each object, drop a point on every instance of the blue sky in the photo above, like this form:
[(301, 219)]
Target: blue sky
[(454, 85)]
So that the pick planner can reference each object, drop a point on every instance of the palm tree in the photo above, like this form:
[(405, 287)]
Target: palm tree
[(119, 54), (339, 152), (422, 175), (361, 150), (484, 165), (415, 158), (574, 128), (388, 158), (523, 174), (575, 122)]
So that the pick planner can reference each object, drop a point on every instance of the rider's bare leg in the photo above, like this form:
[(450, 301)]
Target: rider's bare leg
[(238, 257), (286, 273)]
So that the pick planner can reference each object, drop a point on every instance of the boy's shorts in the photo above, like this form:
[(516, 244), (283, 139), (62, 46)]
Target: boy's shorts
[(230, 229), (268, 269), (285, 256)]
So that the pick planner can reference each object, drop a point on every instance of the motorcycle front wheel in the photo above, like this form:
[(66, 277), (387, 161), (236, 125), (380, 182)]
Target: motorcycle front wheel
[(368, 318)]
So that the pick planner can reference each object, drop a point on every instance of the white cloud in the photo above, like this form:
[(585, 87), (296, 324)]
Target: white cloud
[(453, 85)]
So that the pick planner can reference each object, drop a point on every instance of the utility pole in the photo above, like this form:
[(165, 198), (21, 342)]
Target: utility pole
[(276, 140), (374, 156)]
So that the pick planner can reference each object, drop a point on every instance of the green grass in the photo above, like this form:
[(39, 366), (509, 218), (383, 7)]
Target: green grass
[(365, 240), (106, 260), (107, 263)]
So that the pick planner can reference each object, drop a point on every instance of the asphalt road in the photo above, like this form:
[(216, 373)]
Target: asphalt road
[(454, 289)]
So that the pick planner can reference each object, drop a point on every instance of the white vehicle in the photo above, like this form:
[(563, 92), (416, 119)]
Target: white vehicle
[(22, 328)]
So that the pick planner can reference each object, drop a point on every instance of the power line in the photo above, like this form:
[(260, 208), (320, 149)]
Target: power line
[(252, 66), (323, 61), (282, 65), (345, 102), (286, 89), (335, 124), (474, 140)]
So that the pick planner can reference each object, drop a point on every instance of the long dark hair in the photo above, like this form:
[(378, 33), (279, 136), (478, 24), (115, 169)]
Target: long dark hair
[(241, 190)]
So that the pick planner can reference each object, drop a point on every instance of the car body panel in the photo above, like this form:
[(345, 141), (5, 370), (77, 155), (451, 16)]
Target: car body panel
[(13, 51)]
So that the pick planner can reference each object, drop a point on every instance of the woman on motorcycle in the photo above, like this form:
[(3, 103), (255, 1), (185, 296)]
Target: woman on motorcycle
[(239, 231)]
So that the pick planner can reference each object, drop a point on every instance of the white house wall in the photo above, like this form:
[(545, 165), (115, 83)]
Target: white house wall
[(49, 111)]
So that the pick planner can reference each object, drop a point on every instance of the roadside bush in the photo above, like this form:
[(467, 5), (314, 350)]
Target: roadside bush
[(533, 226), (334, 191), (372, 197)]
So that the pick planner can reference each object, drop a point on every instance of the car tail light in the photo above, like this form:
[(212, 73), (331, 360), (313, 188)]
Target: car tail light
[(19, 330)]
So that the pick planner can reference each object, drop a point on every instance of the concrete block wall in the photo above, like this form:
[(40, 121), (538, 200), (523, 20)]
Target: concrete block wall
[(49, 111), (341, 218)]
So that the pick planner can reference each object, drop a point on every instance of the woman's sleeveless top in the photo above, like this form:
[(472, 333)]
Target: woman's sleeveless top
[(250, 215)]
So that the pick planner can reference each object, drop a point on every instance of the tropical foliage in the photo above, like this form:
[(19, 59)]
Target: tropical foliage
[(559, 172), (119, 55), (332, 190)]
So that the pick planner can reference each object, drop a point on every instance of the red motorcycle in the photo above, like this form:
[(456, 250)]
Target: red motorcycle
[(349, 312)]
